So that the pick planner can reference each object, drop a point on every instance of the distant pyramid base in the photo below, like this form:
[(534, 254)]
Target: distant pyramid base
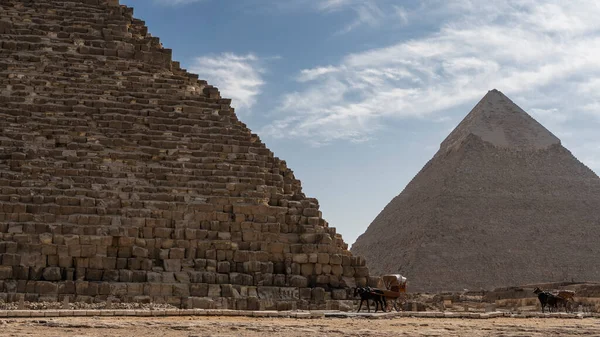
[(501, 203), (123, 176)]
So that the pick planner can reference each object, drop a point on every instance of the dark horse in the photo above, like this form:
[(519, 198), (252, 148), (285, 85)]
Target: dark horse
[(550, 300), (366, 294)]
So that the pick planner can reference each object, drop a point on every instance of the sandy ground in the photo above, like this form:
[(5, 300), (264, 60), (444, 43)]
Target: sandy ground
[(244, 326)]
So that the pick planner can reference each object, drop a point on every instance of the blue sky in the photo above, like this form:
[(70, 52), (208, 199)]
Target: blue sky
[(357, 95)]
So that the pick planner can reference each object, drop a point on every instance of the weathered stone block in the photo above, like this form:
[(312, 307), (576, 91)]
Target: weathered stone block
[(6, 272), (214, 290), (139, 251), (348, 271), (177, 253), (42, 287), (318, 295), (307, 269), (181, 290), (203, 303), (52, 274), (335, 259), (323, 258), (300, 258), (337, 270), (361, 271), (297, 281), (172, 265), (11, 259)]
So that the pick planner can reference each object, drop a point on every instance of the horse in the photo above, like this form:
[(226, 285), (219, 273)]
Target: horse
[(546, 299), (366, 294)]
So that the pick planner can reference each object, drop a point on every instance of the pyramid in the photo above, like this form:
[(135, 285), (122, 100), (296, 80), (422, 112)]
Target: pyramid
[(123, 176), (501, 203)]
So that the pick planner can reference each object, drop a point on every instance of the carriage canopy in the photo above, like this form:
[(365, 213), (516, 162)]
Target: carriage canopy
[(393, 280)]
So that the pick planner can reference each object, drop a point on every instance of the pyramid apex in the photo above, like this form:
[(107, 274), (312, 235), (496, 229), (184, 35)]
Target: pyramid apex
[(499, 121)]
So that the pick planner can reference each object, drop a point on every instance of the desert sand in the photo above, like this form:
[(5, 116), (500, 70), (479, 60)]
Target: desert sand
[(245, 326)]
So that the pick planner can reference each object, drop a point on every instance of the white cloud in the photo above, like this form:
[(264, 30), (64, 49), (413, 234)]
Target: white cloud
[(239, 77), (313, 74), (366, 13), (358, 13), (527, 49)]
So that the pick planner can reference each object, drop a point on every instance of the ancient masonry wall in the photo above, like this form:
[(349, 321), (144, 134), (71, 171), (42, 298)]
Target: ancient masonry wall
[(124, 176)]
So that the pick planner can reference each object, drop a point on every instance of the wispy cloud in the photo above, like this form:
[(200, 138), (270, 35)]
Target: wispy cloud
[(524, 48), (239, 77)]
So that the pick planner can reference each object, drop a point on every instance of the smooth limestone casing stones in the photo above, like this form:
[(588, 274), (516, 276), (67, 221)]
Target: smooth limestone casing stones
[(501, 203), (122, 175)]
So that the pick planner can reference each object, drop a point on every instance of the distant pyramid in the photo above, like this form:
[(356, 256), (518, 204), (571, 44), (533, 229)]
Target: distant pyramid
[(501, 203)]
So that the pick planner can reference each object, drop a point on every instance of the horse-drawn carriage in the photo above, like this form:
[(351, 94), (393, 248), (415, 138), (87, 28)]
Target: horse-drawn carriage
[(393, 294), (556, 299), (395, 290)]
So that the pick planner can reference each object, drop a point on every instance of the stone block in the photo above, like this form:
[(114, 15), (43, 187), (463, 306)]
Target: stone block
[(346, 260), (323, 279), (222, 278), (300, 258), (203, 303), (317, 295), (177, 253), (335, 259), (52, 274), (307, 269), (135, 289), (298, 281), (323, 258), (268, 292), (152, 289), (154, 277), (223, 267), (209, 277), (182, 277), (172, 265), (241, 256), (360, 271), (214, 290), (44, 288), (199, 289), (6, 272), (139, 251), (125, 275), (181, 290), (11, 259), (339, 294), (110, 276), (195, 276), (251, 267), (46, 238)]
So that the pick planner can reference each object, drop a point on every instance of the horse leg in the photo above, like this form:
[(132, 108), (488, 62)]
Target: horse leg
[(360, 305), (368, 306)]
